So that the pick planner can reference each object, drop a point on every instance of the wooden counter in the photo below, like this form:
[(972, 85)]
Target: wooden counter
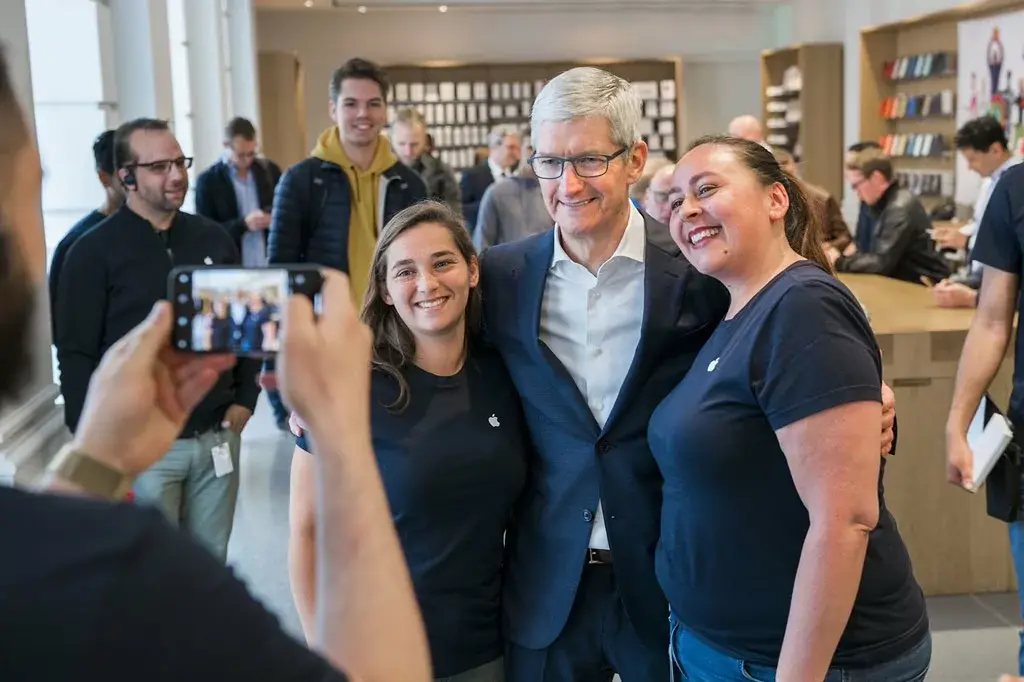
[(956, 548)]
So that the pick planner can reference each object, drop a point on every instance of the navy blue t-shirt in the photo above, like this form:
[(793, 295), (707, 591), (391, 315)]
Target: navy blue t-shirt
[(733, 525), (453, 464), (1000, 245)]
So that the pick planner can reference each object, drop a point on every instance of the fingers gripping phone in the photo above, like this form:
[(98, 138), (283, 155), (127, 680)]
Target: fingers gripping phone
[(223, 309)]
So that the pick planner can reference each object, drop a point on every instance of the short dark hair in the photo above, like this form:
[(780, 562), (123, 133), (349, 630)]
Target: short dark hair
[(980, 134), (862, 145), (123, 154), (879, 164), (103, 152), (361, 69), (239, 127)]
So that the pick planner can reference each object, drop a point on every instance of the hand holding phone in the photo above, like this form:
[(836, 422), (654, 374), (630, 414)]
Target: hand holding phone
[(234, 310)]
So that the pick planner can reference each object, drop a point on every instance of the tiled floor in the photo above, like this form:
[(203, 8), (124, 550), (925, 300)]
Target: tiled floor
[(975, 637)]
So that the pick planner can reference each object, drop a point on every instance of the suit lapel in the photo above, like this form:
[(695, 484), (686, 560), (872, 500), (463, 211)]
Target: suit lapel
[(664, 277), (530, 284)]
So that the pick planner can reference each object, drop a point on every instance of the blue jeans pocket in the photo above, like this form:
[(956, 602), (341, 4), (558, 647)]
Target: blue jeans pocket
[(766, 673)]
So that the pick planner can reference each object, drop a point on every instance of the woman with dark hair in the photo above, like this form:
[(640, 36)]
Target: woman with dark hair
[(449, 439), (777, 554), (221, 326)]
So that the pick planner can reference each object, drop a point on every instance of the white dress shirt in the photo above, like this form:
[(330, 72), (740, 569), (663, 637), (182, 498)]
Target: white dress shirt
[(593, 325), (497, 171)]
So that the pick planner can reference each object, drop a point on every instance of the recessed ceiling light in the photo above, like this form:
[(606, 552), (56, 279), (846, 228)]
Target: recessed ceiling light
[(361, 9), (442, 9), (308, 3)]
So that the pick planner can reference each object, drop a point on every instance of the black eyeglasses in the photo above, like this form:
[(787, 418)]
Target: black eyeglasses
[(163, 166), (586, 165)]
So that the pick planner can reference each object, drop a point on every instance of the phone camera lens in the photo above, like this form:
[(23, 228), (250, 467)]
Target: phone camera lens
[(183, 279), (182, 298), (182, 321), (300, 279), (183, 344)]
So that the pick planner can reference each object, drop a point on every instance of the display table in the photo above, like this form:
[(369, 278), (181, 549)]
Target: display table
[(956, 548)]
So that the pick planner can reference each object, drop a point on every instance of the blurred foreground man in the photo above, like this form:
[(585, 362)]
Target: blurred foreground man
[(102, 591)]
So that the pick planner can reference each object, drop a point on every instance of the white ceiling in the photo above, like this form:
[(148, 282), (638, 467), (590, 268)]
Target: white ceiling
[(516, 5)]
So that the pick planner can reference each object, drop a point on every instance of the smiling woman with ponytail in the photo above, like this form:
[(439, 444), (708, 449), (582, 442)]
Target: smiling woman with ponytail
[(777, 553)]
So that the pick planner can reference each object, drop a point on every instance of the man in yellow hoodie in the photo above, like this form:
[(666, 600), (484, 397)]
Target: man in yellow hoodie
[(329, 208)]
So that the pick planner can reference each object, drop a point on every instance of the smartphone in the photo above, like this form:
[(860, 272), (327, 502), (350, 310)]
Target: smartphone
[(224, 309)]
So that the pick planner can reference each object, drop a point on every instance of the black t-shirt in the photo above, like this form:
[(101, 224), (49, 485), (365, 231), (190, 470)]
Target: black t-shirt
[(92, 591), (1000, 245), (453, 464), (733, 525)]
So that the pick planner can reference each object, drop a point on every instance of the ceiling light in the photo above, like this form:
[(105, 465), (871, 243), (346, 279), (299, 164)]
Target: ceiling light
[(442, 9), (308, 3), (361, 9)]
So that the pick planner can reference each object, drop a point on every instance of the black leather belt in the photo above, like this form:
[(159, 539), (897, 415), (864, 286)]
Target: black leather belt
[(599, 557)]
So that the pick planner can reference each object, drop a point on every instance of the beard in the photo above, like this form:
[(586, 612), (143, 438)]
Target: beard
[(16, 315)]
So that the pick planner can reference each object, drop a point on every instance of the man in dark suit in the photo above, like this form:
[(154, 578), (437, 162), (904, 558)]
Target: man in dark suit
[(103, 155), (238, 193), (597, 322), (505, 149)]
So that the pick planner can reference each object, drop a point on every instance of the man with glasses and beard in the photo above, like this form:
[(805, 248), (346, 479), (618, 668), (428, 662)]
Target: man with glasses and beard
[(112, 277)]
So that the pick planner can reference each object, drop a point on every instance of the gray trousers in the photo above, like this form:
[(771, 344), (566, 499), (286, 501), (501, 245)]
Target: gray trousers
[(184, 486)]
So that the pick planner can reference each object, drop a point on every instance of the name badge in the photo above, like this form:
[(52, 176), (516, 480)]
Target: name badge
[(222, 465)]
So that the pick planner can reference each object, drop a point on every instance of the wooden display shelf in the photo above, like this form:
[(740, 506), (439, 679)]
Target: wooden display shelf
[(932, 33), (645, 70), (821, 107), (956, 548)]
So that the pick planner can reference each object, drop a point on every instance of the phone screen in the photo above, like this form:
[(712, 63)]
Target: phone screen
[(236, 310)]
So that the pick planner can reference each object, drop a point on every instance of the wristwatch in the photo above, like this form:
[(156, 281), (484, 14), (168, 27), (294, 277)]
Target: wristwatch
[(94, 477)]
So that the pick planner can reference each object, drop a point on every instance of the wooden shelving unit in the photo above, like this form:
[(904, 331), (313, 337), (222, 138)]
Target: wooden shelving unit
[(930, 174), (489, 94), (812, 113)]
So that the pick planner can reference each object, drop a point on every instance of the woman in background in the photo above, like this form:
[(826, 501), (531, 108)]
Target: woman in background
[(256, 324), (449, 439), (777, 553), (221, 326)]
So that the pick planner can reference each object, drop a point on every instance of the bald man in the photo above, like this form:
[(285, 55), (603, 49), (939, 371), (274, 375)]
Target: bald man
[(748, 127), (656, 201)]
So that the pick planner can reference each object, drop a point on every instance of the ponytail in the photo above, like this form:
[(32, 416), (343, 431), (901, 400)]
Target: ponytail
[(803, 228)]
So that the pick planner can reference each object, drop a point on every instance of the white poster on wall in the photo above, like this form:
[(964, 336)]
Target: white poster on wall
[(990, 81)]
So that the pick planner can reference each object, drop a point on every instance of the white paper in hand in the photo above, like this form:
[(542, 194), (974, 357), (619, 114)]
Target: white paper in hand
[(987, 440)]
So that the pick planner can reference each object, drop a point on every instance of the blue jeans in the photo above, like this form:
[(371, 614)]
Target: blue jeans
[(1017, 551), (185, 487), (700, 662)]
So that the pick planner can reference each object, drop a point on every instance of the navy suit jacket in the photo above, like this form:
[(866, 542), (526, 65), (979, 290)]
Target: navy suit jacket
[(576, 463)]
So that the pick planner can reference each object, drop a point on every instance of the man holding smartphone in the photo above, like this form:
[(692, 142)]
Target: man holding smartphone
[(112, 277)]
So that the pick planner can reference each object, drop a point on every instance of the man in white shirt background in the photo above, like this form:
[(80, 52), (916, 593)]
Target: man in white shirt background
[(983, 144), (505, 149)]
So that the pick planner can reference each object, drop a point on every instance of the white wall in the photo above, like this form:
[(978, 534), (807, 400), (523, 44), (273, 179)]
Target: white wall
[(323, 40), (718, 91)]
